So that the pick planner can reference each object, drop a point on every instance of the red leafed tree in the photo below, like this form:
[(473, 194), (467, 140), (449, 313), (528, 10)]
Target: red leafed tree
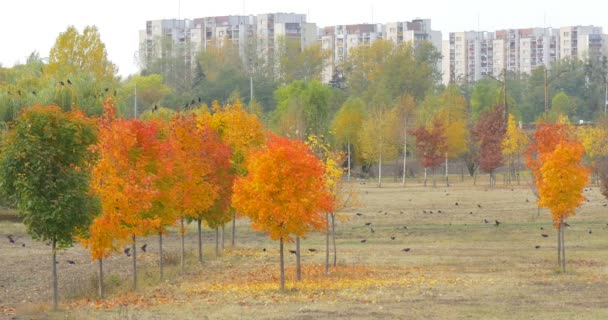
[(489, 131), (284, 192), (431, 145)]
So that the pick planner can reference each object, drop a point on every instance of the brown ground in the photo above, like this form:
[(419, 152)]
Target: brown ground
[(458, 267)]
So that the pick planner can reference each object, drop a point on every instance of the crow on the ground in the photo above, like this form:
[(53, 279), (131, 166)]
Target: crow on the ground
[(406, 250)]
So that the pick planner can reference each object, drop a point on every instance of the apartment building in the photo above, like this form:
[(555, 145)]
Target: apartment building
[(165, 38), (470, 56)]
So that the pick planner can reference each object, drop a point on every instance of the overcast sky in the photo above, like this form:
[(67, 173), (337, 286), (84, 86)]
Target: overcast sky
[(30, 25)]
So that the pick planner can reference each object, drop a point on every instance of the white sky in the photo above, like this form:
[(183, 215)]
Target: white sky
[(28, 25)]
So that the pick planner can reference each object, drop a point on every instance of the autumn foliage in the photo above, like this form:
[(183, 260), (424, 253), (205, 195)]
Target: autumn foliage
[(489, 132), (431, 144)]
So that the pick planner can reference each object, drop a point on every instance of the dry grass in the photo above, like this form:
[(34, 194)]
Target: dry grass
[(458, 266)]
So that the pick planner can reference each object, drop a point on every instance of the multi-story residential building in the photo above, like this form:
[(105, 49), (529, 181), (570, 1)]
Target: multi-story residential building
[(291, 27), (165, 38), (413, 31), (470, 56), (238, 31)]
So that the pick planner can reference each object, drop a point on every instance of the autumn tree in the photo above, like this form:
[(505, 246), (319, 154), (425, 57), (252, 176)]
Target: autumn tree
[(346, 125), (284, 192), (127, 177), (243, 133), (404, 114), (147, 90), (555, 160), (196, 154), (431, 146), (489, 132), (44, 168), (514, 145)]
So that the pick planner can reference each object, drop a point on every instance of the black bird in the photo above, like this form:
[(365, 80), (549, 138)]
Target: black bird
[(393, 238), (186, 106), (423, 211), (192, 102), (359, 214), (143, 248), (404, 227), (372, 230), (485, 220), (438, 211), (69, 82), (127, 251), (155, 108), (115, 93), (456, 203), (545, 235), (363, 241), (470, 212), (590, 232), (527, 200), (292, 251), (385, 213), (34, 92), (566, 224), (536, 247), (23, 245), (312, 250), (368, 223), (199, 99), (61, 83), (430, 211), (478, 205), (10, 238), (71, 262), (106, 89), (406, 250), (541, 228), (496, 223), (264, 249)]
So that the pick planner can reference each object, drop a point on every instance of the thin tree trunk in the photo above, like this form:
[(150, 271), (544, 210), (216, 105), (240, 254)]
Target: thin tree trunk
[(217, 242), (348, 160), (183, 250), (55, 288), (232, 240), (447, 181), (563, 245), (433, 174), (134, 248), (298, 262), (404, 152), (425, 176), (559, 245), (282, 264), (200, 240), (327, 243), (380, 171), (333, 235), (223, 237), (101, 293), (161, 257)]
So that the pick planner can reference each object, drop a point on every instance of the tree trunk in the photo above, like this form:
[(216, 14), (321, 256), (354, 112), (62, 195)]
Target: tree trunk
[(563, 246), (434, 181), (404, 152), (327, 243), (298, 262), (223, 237), (134, 248), (161, 258), (55, 288), (380, 171), (447, 181), (200, 240), (101, 293), (333, 235), (425, 176), (232, 240), (282, 264), (183, 250), (559, 246), (348, 159), (217, 242)]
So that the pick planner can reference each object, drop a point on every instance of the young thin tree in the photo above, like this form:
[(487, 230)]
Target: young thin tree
[(514, 145), (490, 131), (555, 160), (45, 171), (431, 146), (284, 192)]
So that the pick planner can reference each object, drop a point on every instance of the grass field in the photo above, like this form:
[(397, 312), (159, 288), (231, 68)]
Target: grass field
[(458, 266)]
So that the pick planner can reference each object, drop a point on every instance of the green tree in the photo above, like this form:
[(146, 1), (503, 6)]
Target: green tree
[(45, 172), (347, 124)]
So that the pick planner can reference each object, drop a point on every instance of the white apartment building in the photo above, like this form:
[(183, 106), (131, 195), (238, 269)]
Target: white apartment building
[(163, 38), (470, 56)]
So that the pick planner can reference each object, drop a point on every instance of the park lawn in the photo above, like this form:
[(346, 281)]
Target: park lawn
[(458, 266)]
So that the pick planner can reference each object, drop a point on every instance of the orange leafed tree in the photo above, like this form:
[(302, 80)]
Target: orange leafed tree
[(555, 159), (243, 133), (197, 154), (284, 192), (125, 179)]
